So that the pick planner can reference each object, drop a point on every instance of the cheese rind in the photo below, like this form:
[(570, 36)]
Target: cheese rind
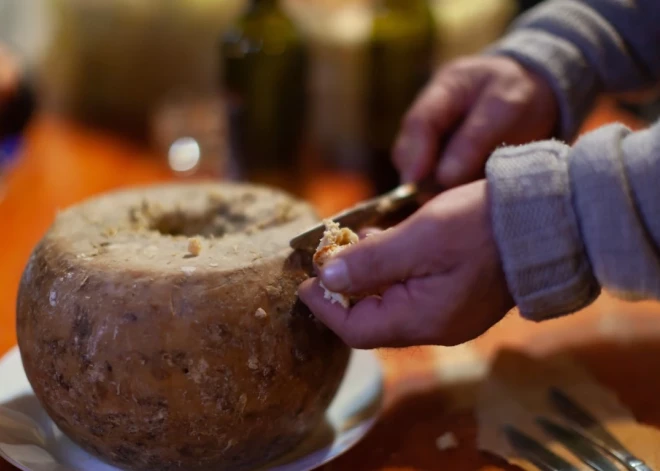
[(152, 359)]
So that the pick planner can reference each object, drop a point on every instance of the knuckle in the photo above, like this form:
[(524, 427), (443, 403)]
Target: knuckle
[(511, 97), (498, 100), (444, 88)]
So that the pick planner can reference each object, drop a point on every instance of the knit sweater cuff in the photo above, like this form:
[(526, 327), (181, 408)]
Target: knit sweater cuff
[(546, 266), (562, 65)]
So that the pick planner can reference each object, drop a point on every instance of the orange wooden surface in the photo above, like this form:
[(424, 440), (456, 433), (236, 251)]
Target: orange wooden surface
[(63, 164)]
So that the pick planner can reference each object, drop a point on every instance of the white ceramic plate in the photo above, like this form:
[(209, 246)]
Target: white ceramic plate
[(32, 442)]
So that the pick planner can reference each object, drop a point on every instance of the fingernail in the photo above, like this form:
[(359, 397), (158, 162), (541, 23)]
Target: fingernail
[(334, 275)]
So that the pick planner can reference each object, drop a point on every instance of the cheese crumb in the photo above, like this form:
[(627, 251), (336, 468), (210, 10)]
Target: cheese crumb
[(194, 246), (261, 313), (446, 441), (335, 239), (253, 363)]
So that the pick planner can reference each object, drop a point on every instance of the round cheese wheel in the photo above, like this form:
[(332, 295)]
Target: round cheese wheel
[(160, 328)]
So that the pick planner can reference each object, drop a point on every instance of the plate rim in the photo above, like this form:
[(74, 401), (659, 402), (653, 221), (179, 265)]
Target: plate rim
[(363, 427)]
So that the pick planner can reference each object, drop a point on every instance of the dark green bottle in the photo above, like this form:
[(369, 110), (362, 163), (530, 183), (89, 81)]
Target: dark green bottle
[(265, 77), (402, 48)]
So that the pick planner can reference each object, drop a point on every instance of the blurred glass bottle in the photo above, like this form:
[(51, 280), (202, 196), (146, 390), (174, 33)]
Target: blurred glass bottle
[(337, 33), (265, 70), (401, 61), (113, 63)]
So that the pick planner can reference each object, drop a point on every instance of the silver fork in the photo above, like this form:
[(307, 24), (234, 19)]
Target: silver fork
[(585, 438), (596, 433), (577, 444), (536, 453), (546, 460)]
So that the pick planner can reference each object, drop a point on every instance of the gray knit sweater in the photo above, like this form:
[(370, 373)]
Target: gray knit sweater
[(572, 220)]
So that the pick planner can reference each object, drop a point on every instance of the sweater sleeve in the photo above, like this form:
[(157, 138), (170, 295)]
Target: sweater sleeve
[(570, 220), (585, 47)]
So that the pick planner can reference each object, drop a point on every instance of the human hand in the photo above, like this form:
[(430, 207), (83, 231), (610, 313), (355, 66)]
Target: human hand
[(469, 108), (440, 271)]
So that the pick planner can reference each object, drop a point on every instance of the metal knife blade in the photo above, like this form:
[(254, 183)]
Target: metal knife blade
[(582, 448), (577, 415), (360, 215), (536, 453)]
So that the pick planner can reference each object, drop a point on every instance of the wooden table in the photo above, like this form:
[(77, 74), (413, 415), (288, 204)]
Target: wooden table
[(426, 395)]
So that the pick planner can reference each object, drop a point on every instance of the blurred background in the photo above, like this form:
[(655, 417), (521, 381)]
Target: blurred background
[(258, 90)]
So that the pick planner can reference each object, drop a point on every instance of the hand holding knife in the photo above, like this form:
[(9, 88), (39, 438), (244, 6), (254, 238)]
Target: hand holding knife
[(368, 212)]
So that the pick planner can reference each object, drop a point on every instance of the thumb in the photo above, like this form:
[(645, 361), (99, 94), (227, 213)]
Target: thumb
[(380, 260)]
